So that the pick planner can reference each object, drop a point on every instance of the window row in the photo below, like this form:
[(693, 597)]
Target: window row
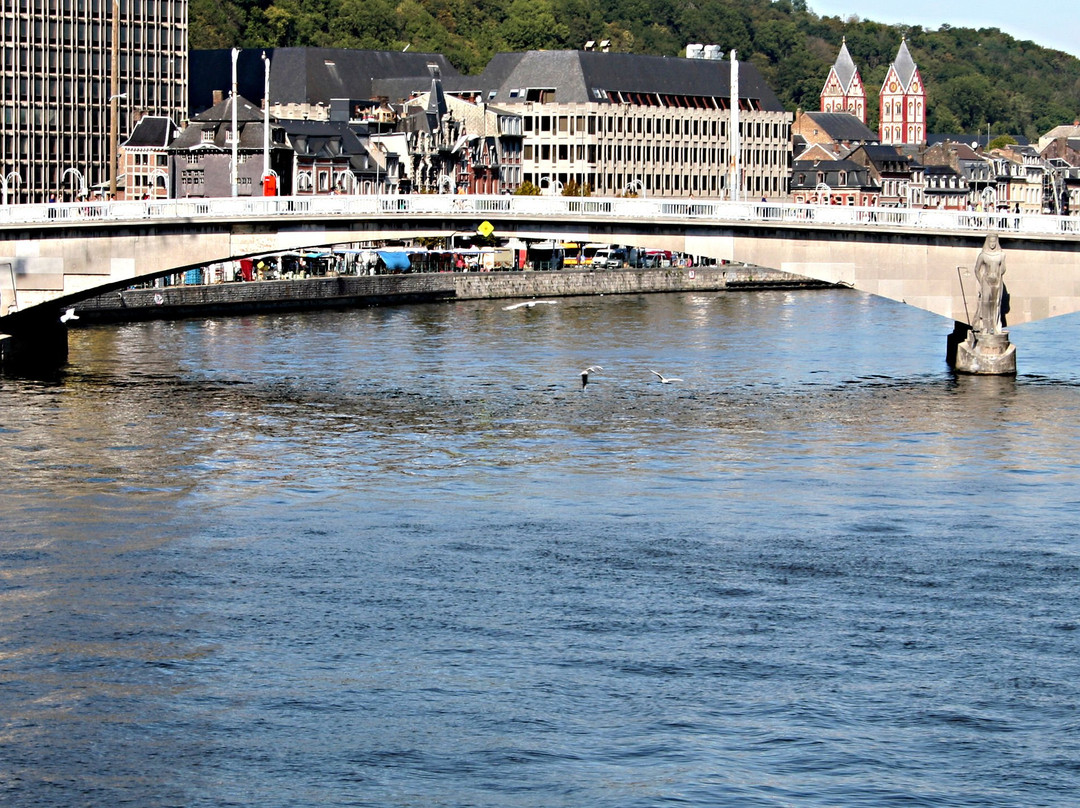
[(677, 127), (693, 155)]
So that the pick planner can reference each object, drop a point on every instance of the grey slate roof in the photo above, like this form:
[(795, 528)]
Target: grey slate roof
[(152, 132), (845, 66), (843, 126), (904, 64), (306, 75), (855, 175), (586, 76), (323, 139), (245, 111), (218, 119)]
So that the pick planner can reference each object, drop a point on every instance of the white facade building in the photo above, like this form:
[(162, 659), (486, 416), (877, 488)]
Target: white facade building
[(647, 125)]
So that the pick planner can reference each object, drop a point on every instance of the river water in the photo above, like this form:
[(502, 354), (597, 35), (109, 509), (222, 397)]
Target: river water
[(398, 557)]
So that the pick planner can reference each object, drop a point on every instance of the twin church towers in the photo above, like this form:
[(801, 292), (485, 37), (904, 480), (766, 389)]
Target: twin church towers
[(902, 118)]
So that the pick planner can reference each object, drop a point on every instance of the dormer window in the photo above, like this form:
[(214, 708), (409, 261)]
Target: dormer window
[(207, 135)]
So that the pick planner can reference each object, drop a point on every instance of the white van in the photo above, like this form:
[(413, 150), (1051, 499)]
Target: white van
[(609, 258)]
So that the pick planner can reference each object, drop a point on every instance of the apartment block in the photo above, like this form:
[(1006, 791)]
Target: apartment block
[(56, 82), (629, 124)]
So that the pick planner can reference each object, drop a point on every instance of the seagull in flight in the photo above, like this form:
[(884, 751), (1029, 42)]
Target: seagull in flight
[(68, 315), (585, 374), (664, 379), (527, 304)]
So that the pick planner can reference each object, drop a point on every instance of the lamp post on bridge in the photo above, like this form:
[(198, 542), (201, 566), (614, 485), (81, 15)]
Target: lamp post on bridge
[(157, 174), (235, 137), (79, 177), (6, 180), (114, 100)]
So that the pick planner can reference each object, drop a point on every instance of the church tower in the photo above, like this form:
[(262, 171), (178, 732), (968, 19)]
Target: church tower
[(903, 102), (843, 90)]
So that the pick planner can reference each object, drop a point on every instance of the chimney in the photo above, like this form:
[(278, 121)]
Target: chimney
[(219, 96)]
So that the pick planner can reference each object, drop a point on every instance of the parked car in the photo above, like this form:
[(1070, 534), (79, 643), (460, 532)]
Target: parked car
[(609, 258)]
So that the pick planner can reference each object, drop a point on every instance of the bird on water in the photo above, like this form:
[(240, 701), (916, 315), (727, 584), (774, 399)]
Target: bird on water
[(585, 374), (664, 379), (527, 304)]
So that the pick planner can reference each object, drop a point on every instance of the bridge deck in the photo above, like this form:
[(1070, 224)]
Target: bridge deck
[(56, 255)]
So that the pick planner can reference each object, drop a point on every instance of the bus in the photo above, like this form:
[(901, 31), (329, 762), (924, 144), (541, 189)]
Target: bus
[(578, 255)]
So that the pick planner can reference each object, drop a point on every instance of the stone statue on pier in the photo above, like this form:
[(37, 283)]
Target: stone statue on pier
[(983, 347), (990, 272)]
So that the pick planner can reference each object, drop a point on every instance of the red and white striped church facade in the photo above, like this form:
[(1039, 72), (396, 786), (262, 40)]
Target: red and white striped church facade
[(903, 102)]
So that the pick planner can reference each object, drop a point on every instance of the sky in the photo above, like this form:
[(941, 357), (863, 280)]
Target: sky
[(1051, 23)]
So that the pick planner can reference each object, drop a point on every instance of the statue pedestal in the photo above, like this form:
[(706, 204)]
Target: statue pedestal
[(986, 355)]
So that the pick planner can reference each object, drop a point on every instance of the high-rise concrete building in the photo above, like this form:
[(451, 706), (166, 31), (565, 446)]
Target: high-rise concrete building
[(61, 61)]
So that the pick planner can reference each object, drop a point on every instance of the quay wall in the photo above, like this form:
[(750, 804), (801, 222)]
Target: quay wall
[(380, 290)]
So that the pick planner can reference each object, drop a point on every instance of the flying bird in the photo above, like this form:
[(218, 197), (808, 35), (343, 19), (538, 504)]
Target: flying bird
[(527, 304), (585, 374), (664, 379), (68, 315)]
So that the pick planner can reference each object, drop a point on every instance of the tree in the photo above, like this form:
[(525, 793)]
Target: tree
[(573, 188), (527, 189), (1000, 142)]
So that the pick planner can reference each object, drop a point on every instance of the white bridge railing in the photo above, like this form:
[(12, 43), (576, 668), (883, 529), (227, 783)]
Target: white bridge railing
[(557, 207)]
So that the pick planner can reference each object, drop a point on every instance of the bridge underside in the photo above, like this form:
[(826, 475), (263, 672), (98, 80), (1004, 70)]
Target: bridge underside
[(49, 268)]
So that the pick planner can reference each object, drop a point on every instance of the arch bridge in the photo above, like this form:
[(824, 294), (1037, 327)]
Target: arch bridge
[(53, 256)]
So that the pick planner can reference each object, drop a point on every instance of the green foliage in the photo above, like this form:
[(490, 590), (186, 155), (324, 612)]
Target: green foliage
[(527, 189), (574, 188), (1000, 142), (973, 77)]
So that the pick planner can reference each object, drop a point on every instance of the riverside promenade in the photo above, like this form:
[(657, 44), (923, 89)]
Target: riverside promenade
[(346, 291)]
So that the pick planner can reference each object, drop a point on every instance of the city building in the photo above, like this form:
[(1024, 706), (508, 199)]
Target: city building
[(484, 154), (836, 131), (899, 176), (844, 90), (144, 159), (620, 123), (612, 122), (65, 64), (202, 154), (902, 100), (330, 157), (945, 188), (833, 182)]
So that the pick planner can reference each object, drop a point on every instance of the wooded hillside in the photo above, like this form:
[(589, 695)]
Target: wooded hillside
[(973, 78)]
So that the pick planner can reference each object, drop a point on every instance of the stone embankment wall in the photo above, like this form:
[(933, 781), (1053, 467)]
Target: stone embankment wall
[(380, 290)]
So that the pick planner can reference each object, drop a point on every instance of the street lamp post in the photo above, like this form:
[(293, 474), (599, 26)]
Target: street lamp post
[(235, 135), (155, 175), (266, 123), (78, 176), (6, 180), (114, 101)]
